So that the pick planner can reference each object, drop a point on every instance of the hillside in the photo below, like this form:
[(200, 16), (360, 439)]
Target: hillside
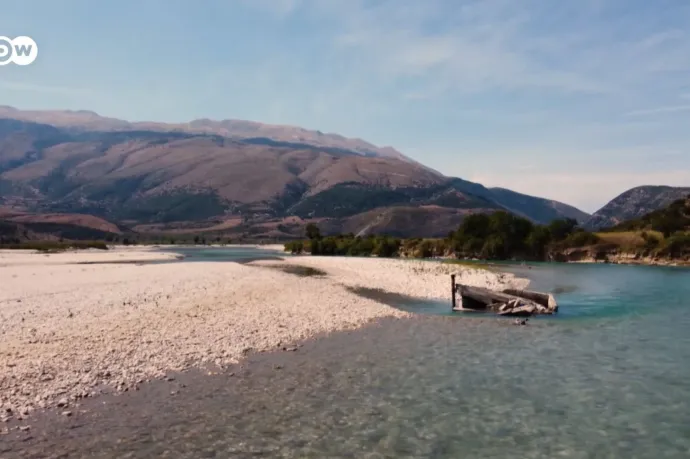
[(668, 220), (658, 237), (634, 204), (85, 121), (18, 227), (535, 208), (177, 179)]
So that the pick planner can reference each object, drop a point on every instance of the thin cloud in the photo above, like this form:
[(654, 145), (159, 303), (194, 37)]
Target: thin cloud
[(40, 88), (481, 46), (660, 110), (279, 8)]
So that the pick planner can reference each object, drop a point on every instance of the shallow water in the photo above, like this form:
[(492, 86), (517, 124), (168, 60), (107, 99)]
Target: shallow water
[(236, 254), (605, 378)]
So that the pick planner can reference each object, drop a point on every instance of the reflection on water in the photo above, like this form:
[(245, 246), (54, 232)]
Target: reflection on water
[(563, 289), (406, 303), (613, 385)]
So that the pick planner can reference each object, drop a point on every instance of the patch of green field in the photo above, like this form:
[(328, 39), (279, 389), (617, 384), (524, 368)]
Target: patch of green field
[(629, 239)]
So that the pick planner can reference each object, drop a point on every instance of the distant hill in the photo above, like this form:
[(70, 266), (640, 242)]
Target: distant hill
[(535, 208), (234, 177), (667, 220), (634, 204), (18, 227)]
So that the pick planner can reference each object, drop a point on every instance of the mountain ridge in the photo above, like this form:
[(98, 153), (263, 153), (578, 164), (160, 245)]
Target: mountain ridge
[(169, 177), (635, 203), (231, 128)]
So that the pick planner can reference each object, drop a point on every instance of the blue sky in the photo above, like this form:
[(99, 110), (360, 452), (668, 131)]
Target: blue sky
[(576, 100)]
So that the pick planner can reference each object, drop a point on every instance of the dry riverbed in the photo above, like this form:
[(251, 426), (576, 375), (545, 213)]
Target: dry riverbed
[(76, 324)]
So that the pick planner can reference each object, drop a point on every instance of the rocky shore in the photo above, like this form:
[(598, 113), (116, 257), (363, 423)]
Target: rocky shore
[(78, 324), (614, 256)]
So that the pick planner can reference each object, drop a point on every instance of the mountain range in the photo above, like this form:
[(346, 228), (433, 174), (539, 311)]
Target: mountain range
[(233, 176), (236, 178)]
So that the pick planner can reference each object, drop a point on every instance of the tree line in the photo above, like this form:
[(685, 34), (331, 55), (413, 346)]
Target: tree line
[(496, 236)]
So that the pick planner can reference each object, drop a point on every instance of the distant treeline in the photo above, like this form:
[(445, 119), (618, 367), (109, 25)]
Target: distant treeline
[(179, 239), (495, 236), (498, 236), (114, 239), (54, 246)]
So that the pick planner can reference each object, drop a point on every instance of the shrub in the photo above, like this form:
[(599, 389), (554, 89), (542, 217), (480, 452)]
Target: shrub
[(294, 247), (650, 241), (581, 239), (676, 246)]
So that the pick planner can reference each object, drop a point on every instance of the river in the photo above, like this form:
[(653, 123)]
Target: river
[(605, 378)]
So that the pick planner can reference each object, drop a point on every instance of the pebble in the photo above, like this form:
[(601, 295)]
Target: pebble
[(67, 413), (238, 311)]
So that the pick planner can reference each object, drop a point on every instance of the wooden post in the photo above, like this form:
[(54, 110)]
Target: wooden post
[(452, 282)]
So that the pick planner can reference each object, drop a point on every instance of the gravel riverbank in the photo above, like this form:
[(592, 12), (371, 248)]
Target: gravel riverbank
[(70, 330)]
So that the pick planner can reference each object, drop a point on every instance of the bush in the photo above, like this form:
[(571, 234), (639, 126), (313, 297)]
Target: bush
[(581, 239), (676, 246), (650, 241), (294, 247)]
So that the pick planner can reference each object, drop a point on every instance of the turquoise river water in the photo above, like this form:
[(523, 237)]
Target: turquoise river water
[(608, 377)]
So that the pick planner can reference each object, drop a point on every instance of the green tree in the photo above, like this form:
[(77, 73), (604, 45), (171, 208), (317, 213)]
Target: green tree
[(472, 247), (312, 231), (667, 224), (562, 228), (494, 248), (315, 246), (474, 225), (537, 242), (676, 246)]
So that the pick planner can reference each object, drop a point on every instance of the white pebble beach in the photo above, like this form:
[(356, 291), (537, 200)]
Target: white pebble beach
[(72, 323)]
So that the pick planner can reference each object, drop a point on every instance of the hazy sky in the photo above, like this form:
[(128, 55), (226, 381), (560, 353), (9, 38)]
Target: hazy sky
[(576, 100)]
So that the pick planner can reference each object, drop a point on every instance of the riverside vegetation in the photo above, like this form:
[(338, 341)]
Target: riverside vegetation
[(659, 236)]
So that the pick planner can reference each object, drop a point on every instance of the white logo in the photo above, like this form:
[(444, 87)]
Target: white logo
[(20, 50)]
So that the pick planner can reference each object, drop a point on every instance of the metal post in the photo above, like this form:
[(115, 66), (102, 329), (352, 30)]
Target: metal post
[(452, 282)]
